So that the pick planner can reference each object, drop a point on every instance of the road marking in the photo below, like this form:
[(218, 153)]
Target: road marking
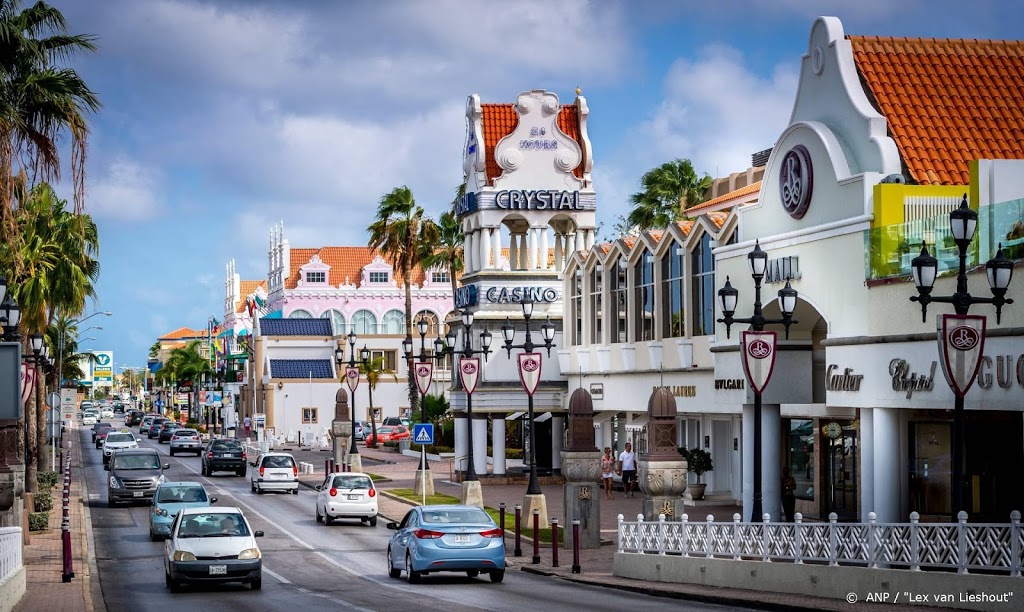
[(341, 602), (276, 575)]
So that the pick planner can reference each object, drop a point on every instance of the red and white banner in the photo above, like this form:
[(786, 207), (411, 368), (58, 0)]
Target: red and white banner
[(28, 381), (530, 366), (424, 371), (469, 373), (961, 345), (758, 357), (352, 378)]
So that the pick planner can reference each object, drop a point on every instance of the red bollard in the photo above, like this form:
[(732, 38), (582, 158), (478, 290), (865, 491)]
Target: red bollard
[(327, 466), (518, 552), (576, 546), (554, 542), (65, 526), (536, 535)]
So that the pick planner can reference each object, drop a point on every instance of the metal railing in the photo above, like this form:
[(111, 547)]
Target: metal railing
[(990, 547), (10, 552)]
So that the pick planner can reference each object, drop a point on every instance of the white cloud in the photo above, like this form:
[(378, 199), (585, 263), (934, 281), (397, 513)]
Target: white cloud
[(125, 191)]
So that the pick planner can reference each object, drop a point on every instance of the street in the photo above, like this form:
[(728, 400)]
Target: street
[(306, 564)]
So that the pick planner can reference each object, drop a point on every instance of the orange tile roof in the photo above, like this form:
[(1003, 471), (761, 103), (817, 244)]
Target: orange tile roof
[(247, 288), (725, 197), (685, 226), (183, 332), (947, 101), (499, 120), (718, 218), (345, 262), (605, 247), (656, 235)]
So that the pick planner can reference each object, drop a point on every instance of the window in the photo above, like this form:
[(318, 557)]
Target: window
[(309, 416), (596, 305), (393, 323), (643, 276), (440, 277), (703, 289), (431, 319), (299, 313), (390, 358), (364, 323), (672, 293), (316, 277), (378, 277), (576, 305), (800, 457), (337, 321), (619, 299)]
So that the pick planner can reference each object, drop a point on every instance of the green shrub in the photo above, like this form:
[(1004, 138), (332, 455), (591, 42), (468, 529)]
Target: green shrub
[(47, 480), (42, 501), (38, 521)]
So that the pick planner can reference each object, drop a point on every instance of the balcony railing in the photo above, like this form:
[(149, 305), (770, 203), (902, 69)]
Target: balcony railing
[(10, 552)]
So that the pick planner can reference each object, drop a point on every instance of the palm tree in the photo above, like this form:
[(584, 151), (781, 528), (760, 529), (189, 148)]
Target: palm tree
[(668, 190), (154, 351), (373, 370), (187, 363), (400, 230), (448, 250)]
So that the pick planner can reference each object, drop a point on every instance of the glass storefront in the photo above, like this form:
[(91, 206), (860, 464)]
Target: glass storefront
[(800, 456), (930, 487)]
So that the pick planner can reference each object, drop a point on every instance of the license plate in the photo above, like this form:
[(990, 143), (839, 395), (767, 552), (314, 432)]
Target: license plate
[(353, 497), (280, 475), (218, 570), (137, 494), (461, 539)]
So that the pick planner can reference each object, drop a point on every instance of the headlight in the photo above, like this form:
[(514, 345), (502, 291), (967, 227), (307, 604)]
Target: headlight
[(183, 555), (249, 553), (115, 483), (159, 512)]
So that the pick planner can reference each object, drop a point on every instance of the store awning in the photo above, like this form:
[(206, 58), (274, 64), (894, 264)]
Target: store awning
[(514, 416), (544, 417), (277, 314), (639, 423), (603, 417)]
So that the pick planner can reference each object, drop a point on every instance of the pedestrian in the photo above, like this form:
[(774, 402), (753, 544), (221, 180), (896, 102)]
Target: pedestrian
[(788, 494), (607, 471), (247, 423), (627, 468)]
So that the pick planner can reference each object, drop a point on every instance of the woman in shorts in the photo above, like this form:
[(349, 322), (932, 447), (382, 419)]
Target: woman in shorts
[(607, 471)]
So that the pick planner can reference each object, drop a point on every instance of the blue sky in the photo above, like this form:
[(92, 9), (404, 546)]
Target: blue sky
[(224, 117)]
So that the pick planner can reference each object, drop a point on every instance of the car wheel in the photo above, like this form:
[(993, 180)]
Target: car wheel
[(295, 491), (393, 572), (241, 473), (256, 584), (202, 470), (319, 517), (252, 486), (497, 575), (411, 576), (111, 503), (175, 585), (154, 537), (172, 452), (373, 521), (473, 573)]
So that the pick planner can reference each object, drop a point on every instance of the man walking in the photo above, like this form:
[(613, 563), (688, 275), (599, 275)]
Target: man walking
[(627, 469)]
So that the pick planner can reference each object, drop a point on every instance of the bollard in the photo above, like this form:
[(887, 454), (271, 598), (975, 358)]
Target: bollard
[(518, 552), (554, 542), (576, 546), (327, 466), (536, 535), (501, 520), (65, 526)]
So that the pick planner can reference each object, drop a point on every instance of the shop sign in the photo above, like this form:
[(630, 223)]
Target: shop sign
[(847, 381), (465, 204), (1006, 371), (537, 141), (681, 390), (961, 344), (597, 390), (465, 296), (540, 199), (796, 181), (782, 269), (904, 380), (729, 383), (517, 295)]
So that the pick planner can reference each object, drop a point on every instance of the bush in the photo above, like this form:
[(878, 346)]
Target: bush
[(698, 461), (47, 480), (43, 502), (38, 521)]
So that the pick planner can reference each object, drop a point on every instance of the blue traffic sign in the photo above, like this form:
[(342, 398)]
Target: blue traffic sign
[(423, 433)]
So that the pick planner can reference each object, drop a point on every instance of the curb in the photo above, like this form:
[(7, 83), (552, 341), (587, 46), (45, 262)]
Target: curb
[(93, 589)]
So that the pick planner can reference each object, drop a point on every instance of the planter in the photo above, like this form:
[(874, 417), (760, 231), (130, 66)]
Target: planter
[(697, 491)]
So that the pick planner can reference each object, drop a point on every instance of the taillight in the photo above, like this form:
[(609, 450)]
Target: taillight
[(210, 455), (243, 454), (373, 492), (492, 533), (426, 534), (261, 472), (333, 491), (295, 470), (174, 437)]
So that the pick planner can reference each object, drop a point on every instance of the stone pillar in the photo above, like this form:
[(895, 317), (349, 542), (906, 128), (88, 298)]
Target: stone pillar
[(485, 248), (496, 246), (498, 443), (771, 461), (531, 246), (524, 250), (747, 472), (606, 436), (578, 239), (559, 252), (468, 252), (886, 465), (341, 428), (513, 252), (662, 473), (581, 468), (557, 436), (542, 257), (480, 444), (866, 444), (461, 446), (588, 239)]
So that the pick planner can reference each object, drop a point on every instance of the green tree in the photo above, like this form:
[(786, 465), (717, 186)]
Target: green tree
[(374, 370), (187, 364), (448, 250), (666, 191), (399, 232), (154, 351)]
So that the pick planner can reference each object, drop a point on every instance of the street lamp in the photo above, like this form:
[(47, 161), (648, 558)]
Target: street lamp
[(423, 371), (529, 364), (352, 379), (758, 347), (961, 337), (10, 316), (469, 374)]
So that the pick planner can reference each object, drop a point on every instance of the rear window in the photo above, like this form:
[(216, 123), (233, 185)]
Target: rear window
[(227, 445), (186, 432), (278, 462), (351, 482), (172, 495), (456, 515)]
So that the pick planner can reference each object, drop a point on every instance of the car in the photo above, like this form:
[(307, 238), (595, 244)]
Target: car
[(101, 434), (154, 427), (224, 455), (212, 545), (185, 441), (274, 472), (117, 440), (85, 405), (363, 429), (167, 430), (98, 426), (395, 421), (170, 499), (106, 412), (146, 422), (389, 433), (135, 474), (347, 495), (133, 417), (89, 417), (119, 407), (446, 539)]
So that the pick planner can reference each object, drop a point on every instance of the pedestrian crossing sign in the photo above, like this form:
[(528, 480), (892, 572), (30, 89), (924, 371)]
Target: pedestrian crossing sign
[(423, 433)]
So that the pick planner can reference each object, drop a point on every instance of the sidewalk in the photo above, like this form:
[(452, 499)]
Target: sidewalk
[(43, 557)]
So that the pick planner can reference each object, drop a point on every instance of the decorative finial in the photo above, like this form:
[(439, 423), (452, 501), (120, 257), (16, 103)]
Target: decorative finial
[(578, 90)]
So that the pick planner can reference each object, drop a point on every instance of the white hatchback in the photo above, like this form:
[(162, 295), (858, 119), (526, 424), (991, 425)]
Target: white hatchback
[(275, 472), (347, 495), (89, 418), (106, 412)]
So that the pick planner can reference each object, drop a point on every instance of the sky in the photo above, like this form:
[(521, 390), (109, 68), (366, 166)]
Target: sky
[(222, 118)]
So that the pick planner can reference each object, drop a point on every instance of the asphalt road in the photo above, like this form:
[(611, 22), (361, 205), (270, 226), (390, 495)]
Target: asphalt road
[(307, 565)]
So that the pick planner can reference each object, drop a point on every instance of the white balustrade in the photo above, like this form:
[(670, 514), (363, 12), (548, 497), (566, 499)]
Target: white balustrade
[(10, 552)]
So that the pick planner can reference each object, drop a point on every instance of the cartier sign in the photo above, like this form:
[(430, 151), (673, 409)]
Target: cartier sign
[(904, 380), (847, 381)]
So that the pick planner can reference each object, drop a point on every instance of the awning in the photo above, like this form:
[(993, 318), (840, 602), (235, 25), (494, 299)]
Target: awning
[(514, 416), (544, 417), (637, 424), (603, 417), (277, 314)]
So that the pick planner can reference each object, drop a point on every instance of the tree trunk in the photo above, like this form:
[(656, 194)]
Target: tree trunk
[(369, 413), (411, 379), (31, 471), (42, 460)]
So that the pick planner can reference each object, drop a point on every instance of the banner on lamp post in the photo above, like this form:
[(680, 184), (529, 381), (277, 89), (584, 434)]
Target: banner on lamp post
[(530, 367), (424, 371), (961, 344), (352, 378), (469, 373), (28, 381), (758, 357)]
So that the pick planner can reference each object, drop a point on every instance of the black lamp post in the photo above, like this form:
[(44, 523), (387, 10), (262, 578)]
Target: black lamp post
[(352, 378), (468, 352), (531, 363), (440, 354), (963, 222), (758, 262), (10, 315)]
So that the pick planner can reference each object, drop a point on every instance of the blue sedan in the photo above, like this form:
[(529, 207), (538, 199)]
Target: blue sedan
[(170, 498), (446, 539)]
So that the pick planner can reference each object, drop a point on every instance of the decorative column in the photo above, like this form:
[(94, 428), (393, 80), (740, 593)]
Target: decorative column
[(866, 444), (557, 436), (341, 428), (485, 248), (480, 443), (559, 252), (578, 240), (498, 443), (771, 462), (662, 473), (581, 467), (588, 236), (468, 252), (524, 250), (542, 257), (886, 465), (531, 246), (496, 246), (461, 437), (513, 252)]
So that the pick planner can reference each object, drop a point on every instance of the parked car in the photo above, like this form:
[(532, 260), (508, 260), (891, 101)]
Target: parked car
[(389, 433), (222, 456), (154, 427), (96, 427), (347, 495), (134, 475), (170, 499), (116, 441), (212, 545), (395, 421), (363, 429), (186, 441), (275, 472), (447, 539), (167, 429)]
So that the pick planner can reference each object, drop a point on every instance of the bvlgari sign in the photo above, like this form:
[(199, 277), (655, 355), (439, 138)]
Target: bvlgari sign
[(540, 199)]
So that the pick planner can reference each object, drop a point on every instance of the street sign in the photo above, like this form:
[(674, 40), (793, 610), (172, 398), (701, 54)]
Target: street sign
[(423, 433), (53, 400)]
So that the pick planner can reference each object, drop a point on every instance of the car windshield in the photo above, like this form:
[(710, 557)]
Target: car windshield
[(181, 495), (456, 515), (186, 433), (278, 462), (385, 430), (136, 462), (120, 437), (351, 482), (212, 525)]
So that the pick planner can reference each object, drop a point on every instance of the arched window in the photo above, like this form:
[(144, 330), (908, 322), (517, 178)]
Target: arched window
[(364, 323), (618, 293), (337, 321), (702, 294), (643, 276), (393, 322), (431, 320), (672, 294), (299, 313)]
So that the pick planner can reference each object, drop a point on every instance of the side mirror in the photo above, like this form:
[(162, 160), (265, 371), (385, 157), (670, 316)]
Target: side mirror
[(213, 500), (392, 525), (257, 534), (319, 487), (167, 466)]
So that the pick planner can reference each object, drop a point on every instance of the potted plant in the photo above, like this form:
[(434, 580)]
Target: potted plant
[(698, 461)]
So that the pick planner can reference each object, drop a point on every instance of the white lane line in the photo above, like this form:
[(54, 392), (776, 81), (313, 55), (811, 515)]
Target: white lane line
[(276, 575), (341, 602)]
